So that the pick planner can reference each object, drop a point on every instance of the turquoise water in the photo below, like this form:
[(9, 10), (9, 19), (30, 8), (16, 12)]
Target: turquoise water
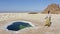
[(18, 26)]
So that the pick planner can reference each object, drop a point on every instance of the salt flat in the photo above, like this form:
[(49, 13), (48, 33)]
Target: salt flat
[(37, 19)]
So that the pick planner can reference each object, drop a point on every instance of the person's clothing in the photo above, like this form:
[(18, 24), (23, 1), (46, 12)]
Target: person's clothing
[(48, 21)]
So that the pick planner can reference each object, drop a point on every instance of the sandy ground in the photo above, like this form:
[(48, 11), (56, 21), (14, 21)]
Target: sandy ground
[(36, 19)]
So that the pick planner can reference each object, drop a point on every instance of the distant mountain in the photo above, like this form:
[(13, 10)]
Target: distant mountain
[(18, 11), (53, 8)]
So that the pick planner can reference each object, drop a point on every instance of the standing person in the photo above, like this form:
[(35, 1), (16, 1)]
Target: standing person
[(48, 19)]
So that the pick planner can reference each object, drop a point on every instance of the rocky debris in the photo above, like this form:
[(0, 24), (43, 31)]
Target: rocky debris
[(53, 8)]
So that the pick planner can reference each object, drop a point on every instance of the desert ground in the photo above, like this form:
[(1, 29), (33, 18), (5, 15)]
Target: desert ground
[(37, 19)]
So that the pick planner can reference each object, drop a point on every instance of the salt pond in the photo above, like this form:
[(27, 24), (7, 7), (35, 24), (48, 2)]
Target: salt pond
[(18, 25)]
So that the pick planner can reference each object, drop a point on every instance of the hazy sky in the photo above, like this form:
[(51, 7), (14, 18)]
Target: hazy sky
[(25, 5)]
